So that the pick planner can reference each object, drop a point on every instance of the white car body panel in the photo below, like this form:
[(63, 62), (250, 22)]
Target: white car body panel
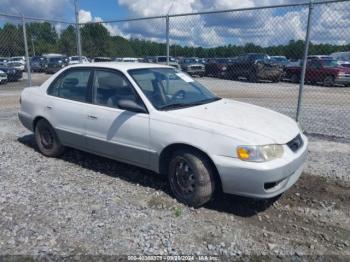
[(3, 77), (216, 129)]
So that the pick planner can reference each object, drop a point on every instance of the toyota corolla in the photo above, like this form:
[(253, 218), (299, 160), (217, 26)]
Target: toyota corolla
[(159, 118)]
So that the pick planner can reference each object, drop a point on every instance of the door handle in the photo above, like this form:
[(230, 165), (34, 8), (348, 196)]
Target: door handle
[(92, 117), (49, 107)]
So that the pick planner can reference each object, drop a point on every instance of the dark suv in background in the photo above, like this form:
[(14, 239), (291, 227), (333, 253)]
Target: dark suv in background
[(254, 67), (37, 64), (56, 63)]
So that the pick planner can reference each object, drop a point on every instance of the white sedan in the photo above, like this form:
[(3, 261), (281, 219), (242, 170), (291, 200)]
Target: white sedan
[(159, 118)]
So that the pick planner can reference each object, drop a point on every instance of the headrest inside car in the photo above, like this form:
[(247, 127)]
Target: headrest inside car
[(70, 82)]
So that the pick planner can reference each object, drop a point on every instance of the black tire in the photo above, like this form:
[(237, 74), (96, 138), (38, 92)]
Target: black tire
[(191, 177), (252, 77), (295, 78), (328, 81), (47, 140), (276, 79)]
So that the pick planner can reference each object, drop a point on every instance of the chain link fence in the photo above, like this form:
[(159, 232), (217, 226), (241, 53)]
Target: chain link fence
[(124, 40), (254, 55), (12, 54)]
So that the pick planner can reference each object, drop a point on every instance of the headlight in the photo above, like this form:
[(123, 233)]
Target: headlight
[(259, 153)]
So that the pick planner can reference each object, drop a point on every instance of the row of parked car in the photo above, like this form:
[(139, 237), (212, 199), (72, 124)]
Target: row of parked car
[(11, 68), (328, 70)]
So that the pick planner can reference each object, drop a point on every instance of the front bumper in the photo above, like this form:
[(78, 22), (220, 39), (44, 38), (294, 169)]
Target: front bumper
[(195, 71), (26, 120), (345, 80), (261, 180)]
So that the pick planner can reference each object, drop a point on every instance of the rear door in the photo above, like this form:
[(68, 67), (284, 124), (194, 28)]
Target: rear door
[(67, 105), (114, 132), (313, 71)]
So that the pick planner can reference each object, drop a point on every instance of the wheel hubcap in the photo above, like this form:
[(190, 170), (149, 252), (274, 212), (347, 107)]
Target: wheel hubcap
[(184, 178), (47, 138)]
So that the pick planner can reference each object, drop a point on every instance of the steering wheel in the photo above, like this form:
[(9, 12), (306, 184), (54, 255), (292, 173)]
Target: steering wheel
[(181, 94)]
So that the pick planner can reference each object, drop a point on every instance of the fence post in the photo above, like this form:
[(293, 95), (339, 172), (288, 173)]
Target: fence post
[(306, 51), (167, 39), (26, 51), (77, 25)]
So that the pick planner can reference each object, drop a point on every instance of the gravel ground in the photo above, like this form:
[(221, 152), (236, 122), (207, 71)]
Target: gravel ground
[(81, 204)]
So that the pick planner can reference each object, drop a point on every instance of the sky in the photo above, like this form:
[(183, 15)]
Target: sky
[(263, 27)]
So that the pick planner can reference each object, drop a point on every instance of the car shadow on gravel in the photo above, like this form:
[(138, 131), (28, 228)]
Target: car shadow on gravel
[(236, 205)]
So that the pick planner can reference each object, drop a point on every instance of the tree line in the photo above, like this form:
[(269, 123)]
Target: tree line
[(97, 41)]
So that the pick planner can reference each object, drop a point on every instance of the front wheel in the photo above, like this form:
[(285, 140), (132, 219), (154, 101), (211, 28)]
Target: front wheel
[(191, 178), (328, 81), (47, 140), (252, 77), (294, 78)]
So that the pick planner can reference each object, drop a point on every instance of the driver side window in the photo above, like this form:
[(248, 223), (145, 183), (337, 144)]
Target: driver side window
[(110, 87)]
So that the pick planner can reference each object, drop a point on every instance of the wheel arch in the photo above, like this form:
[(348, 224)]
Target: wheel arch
[(165, 157), (36, 120)]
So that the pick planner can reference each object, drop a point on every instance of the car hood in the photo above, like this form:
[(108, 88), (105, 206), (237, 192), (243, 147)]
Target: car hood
[(226, 116)]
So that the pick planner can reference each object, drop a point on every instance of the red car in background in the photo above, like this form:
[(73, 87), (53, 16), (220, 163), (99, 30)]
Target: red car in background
[(325, 71), (217, 67)]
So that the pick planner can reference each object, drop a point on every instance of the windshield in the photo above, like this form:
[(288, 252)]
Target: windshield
[(162, 59), (55, 59), (223, 60), (168, 88), (330, 63), (75, 58), (259, 57), (279, 59), (191, 61), (14, 63), (16, 59), (37, 59)]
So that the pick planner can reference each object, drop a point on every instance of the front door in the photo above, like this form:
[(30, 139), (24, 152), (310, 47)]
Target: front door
[(111, 131)]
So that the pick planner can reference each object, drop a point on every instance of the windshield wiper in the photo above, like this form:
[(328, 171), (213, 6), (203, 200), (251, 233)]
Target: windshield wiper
[(206, 101), (181, 105), (175, 105)]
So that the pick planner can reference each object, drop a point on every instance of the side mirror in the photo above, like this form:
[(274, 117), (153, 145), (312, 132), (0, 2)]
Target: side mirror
[(132, 106)]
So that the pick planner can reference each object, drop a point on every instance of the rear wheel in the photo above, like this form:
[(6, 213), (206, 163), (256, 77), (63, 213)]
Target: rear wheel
[(47, 140), (191, 177), (328, 81), (276, 79), (253, 78), (294, 78)]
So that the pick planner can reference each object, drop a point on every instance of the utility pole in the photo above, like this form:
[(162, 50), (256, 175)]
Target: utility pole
[(77, 25), (26, 50), (33, 47), (306, 51)]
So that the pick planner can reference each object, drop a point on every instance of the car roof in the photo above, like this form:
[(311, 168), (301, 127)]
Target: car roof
[(122, 66)]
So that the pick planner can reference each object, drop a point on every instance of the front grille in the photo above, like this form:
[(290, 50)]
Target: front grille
[(296, 143), (196, 67)]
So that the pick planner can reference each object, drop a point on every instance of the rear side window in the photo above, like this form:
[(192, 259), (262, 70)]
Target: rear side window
[(72, 85)]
